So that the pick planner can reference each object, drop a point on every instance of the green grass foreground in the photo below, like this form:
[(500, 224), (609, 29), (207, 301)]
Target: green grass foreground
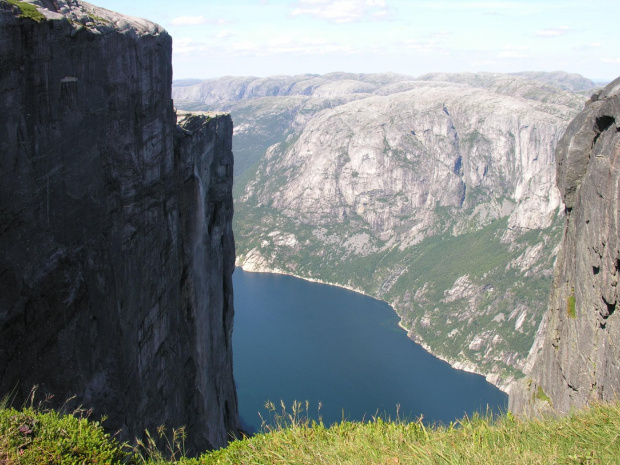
[(591, 436)]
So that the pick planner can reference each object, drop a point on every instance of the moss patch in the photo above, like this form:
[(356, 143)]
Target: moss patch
[(542, 395), (28, 10), (99, 19), (570, 305)]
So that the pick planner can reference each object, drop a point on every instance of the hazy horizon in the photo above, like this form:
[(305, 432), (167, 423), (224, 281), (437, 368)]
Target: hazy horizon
[(290, 37), (197, 79)]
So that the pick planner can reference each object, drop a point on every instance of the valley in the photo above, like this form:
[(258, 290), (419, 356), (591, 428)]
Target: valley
[(435, 194)]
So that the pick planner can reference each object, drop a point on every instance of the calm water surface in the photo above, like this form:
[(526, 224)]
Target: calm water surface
[(297, 340)]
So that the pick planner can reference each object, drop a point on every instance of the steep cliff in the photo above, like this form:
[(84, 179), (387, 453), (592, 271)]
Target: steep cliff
[(436, 194), (576, 358), (115, 226)]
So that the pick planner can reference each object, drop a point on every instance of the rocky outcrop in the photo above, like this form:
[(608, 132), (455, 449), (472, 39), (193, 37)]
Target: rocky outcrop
[(576, 358), (446, 145), (115, 227)]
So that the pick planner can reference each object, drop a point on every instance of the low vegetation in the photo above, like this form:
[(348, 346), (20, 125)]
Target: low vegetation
[(570, 305), (591, 436), (30, 436), (541, 395), (28, 10)]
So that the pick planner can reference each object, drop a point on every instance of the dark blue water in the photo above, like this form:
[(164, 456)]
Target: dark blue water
[(297, 340)]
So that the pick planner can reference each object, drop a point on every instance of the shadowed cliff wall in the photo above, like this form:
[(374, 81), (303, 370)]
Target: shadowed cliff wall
[(115, 227)]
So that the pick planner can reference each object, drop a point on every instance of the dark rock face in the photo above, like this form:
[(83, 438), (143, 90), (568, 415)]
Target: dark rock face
[(116, 244), (576, 358)]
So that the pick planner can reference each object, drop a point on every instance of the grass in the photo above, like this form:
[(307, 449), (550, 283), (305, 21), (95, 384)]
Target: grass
[(30, 436), (28, 10), (590, 436)]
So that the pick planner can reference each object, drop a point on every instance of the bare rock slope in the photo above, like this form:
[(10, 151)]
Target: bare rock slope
[(115, 227), (576, 358)]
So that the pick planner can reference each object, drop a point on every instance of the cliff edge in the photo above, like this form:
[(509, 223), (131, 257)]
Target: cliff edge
[(115, 226), (576, 357)]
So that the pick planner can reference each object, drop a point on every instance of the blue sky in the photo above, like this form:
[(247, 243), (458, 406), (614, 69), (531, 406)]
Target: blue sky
[(215, 38)]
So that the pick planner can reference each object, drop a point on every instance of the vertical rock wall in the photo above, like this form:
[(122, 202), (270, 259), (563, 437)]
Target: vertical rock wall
[(576, 357), (115, 227)]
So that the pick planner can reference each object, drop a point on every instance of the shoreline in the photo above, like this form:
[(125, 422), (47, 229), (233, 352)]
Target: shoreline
[(457, 365)]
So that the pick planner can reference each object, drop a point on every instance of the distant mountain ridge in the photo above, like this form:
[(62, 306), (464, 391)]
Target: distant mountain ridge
[(436, 194), (229, 89), (571, 82)]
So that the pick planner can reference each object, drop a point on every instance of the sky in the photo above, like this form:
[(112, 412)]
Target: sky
[(214, 38)]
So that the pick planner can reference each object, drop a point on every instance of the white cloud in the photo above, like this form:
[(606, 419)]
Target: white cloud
[(429, 43), (503, 6), (611, 60), (226, 33), (188, 46), (483, 63), (440, 34), (426, 46), (188, 20), (287, 45), (243, 47), (553, 32), (512, 54), (341, 11), (195, 21), (493, 8), (590, 47), (514, 51)]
